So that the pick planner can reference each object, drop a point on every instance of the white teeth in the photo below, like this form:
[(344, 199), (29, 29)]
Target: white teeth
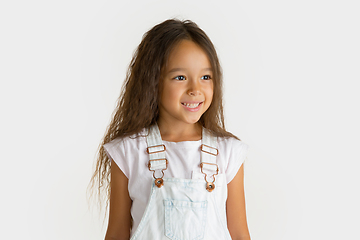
[(191, 105)]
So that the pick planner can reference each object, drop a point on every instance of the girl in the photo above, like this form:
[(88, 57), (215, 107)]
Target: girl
[(173, 170)]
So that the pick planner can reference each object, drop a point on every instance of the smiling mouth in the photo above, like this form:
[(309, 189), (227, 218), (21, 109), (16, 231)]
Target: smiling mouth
[(191, 105)]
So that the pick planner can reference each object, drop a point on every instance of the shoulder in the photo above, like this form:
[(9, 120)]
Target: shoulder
[(131, 140), (123, 147), (231, 144), (123, 150), (232, 153)]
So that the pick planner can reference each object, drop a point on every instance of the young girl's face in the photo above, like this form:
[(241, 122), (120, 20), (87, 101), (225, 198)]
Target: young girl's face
[(187, 85)]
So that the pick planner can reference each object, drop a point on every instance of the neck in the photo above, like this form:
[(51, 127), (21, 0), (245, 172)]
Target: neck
[(180, 131)]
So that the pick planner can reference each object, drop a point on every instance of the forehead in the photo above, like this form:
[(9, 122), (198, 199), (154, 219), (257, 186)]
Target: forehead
[(189, 55)]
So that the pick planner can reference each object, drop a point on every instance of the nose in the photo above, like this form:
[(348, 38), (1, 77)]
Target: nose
[(194, 88)]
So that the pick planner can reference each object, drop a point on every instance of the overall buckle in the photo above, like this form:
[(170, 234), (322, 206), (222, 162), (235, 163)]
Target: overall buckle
[(159, 182), (210, 186)]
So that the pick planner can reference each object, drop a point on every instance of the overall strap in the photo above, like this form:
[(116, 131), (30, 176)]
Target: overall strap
[(209, 152), (157, 159), (156, 149)]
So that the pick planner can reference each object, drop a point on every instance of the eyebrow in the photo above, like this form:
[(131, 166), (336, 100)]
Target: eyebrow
[(182, 69)]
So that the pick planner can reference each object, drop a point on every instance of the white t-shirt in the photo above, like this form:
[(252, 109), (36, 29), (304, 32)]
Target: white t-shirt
[(130, 155)]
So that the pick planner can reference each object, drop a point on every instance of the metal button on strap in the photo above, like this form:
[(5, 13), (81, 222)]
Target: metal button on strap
[(210, 186), (159, 182)]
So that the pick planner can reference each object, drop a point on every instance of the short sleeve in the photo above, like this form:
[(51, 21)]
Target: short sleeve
[(116, 151), (237, 156)]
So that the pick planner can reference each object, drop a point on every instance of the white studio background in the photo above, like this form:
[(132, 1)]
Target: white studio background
[(291, 78)]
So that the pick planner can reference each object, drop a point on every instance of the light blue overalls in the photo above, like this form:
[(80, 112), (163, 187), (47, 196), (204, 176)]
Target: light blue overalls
[(184, 209)]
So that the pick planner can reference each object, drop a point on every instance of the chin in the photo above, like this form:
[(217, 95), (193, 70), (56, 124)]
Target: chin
[(193, 121)]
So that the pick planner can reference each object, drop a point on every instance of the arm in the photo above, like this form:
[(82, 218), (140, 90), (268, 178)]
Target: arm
[(120, 204), (235, 208)]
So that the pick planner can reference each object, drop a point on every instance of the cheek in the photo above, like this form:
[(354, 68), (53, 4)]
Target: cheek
[(210, 92), (169, 94)]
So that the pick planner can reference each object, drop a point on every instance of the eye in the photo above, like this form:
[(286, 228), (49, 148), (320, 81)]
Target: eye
[(206, 77), (180, 77)]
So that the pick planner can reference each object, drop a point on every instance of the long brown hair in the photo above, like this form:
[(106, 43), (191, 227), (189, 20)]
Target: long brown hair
[(138, 104)]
